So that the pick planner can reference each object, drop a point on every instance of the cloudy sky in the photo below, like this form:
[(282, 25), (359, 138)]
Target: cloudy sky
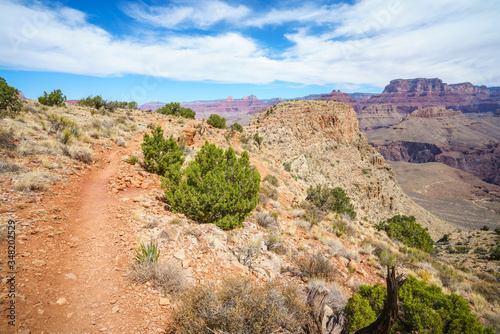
[(208, 49)]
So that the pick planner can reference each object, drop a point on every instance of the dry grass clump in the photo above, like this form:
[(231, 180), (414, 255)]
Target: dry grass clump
[(303, 224), (47, 147), (298, 213), (169, 277), (9, 167), (120, 141), (249, 251), (80, 153), (315, 266), (241, 306), (338, 250), (36, 180), (265, 219), (275, 244)]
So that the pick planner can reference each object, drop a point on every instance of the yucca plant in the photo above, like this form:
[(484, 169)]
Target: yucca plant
[(147, 253), (132, 160)]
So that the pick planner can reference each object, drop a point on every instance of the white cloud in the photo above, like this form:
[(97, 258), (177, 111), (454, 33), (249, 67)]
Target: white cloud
[(370, 42), (201, 15)]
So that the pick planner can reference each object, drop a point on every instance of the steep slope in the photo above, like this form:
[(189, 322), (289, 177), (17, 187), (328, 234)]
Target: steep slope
[(438, 134), (320, 143), (378, 116)]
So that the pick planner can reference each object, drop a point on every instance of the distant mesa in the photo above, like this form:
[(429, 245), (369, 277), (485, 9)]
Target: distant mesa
[(21, 95), (341, 97), (412, 94)]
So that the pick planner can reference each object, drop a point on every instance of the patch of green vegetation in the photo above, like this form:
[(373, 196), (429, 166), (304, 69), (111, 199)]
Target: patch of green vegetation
[(162, 156), (217, 187), (216, 121), (425, 309), (55, 98), (331, 199), (408, 231), (175, 109), (237, 127), (9, 99)]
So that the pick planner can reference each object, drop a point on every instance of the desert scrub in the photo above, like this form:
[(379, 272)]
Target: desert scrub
[(216, 121), (10, 103), (36, 180), (168, 277), (237, 127), (315, 266), (272, 180), (55, 98), (241, 306), (265, 219), (80, 153), (425, 309), (175, 109), (408, 231), (162, 156), (328, 199), (217, 187)]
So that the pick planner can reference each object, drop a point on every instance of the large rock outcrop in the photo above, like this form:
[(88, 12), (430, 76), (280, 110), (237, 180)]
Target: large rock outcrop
[(319, 142), (438, 134), (378, 116), (412, 94)]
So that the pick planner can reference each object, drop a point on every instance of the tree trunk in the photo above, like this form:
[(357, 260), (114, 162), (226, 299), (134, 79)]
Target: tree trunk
[(384, 322), (318, 294)]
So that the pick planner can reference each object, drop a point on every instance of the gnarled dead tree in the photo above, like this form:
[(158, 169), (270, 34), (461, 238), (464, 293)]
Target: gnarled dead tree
[(316, 300)]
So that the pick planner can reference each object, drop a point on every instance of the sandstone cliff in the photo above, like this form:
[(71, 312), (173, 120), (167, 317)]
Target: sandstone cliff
[(378, 116), (320, 143), (442, 135), (412, 94)]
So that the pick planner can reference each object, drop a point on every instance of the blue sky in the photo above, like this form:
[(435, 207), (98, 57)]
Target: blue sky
[(210, 49)]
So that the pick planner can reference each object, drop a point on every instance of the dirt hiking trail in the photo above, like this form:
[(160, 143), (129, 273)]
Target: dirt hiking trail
[(72, 272)]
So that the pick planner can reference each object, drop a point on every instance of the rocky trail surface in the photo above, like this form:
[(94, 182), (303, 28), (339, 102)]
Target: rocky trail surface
[(72, 266)]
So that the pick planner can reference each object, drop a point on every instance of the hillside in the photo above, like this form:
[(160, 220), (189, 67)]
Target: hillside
[(83, 203), (438, 134)]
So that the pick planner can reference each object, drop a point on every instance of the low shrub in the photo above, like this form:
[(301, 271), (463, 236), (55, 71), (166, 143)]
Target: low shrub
[(217, 187), (55, 98), (264, 219), (258, 139), (175, 109), (36, 180), (241, 306), (169, 277), (315, 266), (237, 127), (10, 103), (120, 141), (495, 254), (216, 121), (272, 180), (162, 156), (425, 309), (409, 232), (328, 199)]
